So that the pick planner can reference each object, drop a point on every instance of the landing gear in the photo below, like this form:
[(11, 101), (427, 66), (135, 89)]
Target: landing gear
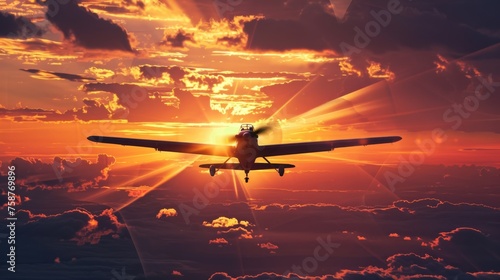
[(281, 170), (246, 176), (213, 168)]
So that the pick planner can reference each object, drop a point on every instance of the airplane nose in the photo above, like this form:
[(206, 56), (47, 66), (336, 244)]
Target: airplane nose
[(246, 135)]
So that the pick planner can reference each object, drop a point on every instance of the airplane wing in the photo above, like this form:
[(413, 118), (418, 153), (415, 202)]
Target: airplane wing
[(255, 166), (168, 146), (321, 146)]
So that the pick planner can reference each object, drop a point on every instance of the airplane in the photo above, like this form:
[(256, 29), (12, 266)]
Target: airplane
[(247, 149)]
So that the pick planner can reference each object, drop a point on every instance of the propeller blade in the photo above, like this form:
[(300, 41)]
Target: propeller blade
[(262, 129)]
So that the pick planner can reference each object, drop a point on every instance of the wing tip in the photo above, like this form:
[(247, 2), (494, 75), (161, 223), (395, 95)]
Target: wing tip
[(94, 138)]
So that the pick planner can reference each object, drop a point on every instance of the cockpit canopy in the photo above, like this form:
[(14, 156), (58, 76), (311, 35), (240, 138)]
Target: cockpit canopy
[(247, 126)]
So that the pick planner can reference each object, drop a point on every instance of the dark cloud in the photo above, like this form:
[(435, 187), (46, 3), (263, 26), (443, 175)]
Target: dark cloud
[(178, 40), (295, 228), (76, 225), (79, 174), (469, 249), (399, 266), (181, 76), (57, 75), (230, 40), (434, 98), (18, 27), (282, 35), (477, 14), (19, 113), (277, 9), (85, 28), (142, 104), (413, 26), (82, 236), (92, 110), (176, 73)]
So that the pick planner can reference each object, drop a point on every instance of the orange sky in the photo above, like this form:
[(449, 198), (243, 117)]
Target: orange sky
[(193, 71)]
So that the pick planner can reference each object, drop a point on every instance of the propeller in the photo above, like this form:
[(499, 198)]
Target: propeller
[(255, 132), (262, 129)]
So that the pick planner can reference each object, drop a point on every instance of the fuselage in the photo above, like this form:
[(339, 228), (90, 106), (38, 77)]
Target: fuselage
[(247, 147)]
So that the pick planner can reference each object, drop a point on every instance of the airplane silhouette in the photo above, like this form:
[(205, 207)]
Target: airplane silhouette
[(247, 149)]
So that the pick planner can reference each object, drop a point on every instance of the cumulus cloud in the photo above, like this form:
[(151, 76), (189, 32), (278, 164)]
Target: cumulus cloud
[(77, 225), (91, 110), (399, 266), (468, 248), (143, 104), (85, 28), (178, 40), (225, 222), (18, 27), (188, 78), (164, 212), (78, 174)]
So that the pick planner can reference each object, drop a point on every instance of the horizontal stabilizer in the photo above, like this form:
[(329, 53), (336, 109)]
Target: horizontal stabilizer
[(256, 166)]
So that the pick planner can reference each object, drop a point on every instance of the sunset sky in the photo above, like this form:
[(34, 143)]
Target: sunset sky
[(193, 71)]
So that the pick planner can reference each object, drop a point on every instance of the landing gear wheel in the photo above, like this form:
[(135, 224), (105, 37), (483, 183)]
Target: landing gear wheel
[(246, 176), (281, 170), (212, 170)]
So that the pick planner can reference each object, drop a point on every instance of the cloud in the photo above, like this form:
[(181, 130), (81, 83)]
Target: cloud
[(170, 212), (231, 41), (77, 225), (85, 28), (399, 266), (49, 75), (415, 26), (79, 174), (178, 40), (143, 104), (183, 77), (268, 245), (100, 73), (225, 222), (218, 241), (90, 111), (18, 27), (468, 248), (177, 273), (237, 232), (120, 7)]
